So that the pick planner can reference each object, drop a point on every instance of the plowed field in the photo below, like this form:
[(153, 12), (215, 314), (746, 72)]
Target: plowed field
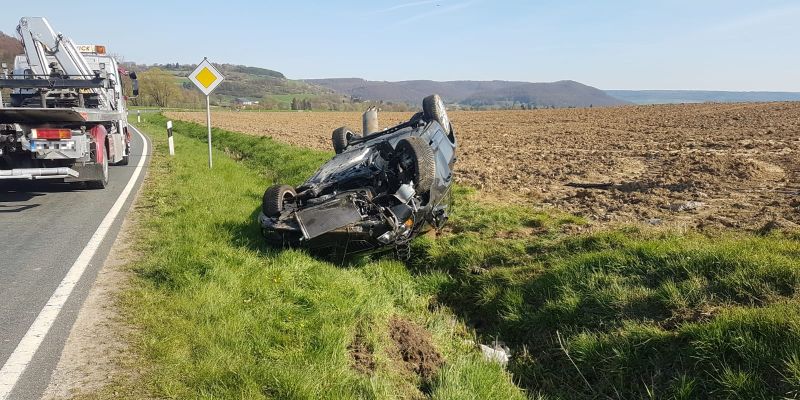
[(717, 165)]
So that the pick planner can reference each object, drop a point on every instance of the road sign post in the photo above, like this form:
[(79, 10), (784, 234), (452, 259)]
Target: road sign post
[(208, 123), (207, 78)]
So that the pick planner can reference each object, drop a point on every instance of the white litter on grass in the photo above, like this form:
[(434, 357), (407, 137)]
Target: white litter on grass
[(499, 353)]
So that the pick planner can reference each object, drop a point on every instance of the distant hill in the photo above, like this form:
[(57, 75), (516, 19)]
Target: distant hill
[(475, 93), (242, 82), (556, 94), (9, 48), (253, 82), (699, 96)]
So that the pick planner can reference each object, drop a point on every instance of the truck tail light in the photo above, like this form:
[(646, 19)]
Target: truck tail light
[(51, 134)]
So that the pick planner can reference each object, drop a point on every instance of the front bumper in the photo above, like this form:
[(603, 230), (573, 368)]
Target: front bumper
[(355, 237)]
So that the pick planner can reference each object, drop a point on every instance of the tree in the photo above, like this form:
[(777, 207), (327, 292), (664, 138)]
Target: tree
[(294, 104), (158, 87), (268, 103)]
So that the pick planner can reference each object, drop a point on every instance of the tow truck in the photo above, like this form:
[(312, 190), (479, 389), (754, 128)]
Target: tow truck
[(65, 117)]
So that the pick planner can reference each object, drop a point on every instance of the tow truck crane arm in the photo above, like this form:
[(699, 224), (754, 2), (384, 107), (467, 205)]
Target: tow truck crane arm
[(40, 40)]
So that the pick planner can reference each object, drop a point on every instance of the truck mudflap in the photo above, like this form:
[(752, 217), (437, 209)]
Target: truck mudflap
[(86, 173), (38, 173)]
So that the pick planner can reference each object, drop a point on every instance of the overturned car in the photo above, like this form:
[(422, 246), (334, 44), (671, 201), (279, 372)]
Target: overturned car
[(378, 192)]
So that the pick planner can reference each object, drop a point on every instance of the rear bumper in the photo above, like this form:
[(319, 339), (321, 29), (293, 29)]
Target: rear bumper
[(38, 173), (75, 173)]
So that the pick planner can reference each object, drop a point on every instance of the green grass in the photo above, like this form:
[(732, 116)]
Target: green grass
[(627, 313), (641, 314), (222, 316)]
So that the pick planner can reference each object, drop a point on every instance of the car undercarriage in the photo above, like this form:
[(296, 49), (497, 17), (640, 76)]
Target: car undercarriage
[(380, 191)]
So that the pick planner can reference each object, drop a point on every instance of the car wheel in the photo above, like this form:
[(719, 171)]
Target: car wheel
[(275, 199), (434, 110), (417, 159), (341, 138)]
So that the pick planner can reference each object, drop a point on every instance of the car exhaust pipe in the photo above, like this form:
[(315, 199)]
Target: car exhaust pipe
[(370, 120)]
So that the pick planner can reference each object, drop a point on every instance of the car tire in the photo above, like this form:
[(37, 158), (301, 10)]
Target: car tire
[(275, 197), (101, 183), (421, 160), (434, 110), (341, 138)]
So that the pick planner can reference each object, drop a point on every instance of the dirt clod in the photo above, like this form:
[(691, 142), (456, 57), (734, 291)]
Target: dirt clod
[(689, 316), (778, 224), (415, 347), (362, 354)]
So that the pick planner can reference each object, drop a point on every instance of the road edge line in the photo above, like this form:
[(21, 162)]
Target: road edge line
[(23, 354)]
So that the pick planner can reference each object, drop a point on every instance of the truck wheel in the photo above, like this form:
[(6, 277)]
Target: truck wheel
[(126, 158), (341, 138), (275, 198), (434, 110), (417, 162), (101, 183)]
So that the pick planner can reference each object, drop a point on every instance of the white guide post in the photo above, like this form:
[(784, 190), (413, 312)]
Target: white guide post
[(169, 139)]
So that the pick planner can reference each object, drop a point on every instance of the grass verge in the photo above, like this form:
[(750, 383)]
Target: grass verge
[(621, 314)]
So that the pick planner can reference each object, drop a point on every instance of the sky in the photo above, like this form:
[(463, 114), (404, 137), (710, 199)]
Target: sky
[(626, 44)]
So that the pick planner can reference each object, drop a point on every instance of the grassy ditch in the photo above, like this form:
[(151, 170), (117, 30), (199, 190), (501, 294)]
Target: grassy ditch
[(621, 314), (625, 314), (222, 316)]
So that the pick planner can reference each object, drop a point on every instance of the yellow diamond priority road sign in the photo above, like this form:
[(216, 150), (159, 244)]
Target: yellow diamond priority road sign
[(206, 77)]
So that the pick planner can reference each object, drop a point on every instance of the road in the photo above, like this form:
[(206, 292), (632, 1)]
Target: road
[(46, 231)]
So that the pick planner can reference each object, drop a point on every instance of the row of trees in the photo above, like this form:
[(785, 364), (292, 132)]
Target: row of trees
[(304, 104), (158, 88), (323, 102)]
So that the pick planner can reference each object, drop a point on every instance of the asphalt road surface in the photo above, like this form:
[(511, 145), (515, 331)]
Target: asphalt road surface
[(46, 229)]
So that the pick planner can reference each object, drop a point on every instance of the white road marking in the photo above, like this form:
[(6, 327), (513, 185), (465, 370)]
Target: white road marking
[(21, 357)]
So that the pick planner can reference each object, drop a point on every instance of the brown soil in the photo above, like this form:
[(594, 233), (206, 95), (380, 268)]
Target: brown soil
[(734, 165), (689, 316), (415, 348), (362, 354)]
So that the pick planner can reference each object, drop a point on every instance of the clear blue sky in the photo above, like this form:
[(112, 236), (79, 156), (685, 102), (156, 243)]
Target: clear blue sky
[(679, 44)]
